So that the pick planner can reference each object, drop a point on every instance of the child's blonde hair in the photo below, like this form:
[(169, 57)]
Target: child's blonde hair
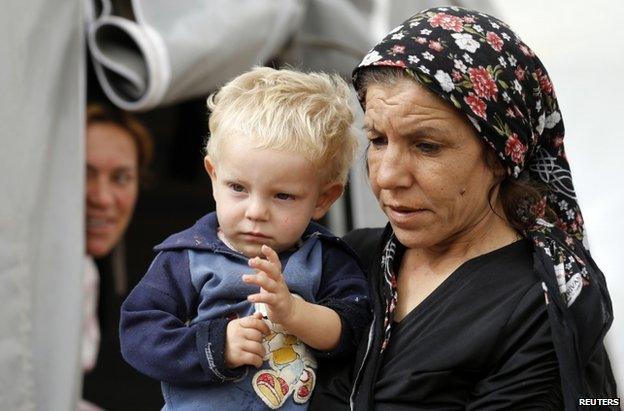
[(303, 113)]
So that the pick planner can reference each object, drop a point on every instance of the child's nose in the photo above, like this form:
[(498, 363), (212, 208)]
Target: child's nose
[(257, 210)]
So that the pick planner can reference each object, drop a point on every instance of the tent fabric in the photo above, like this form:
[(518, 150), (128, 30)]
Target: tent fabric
[(167, 53), (41, 234)]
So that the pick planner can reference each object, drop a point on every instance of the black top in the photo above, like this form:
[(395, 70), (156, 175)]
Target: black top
[(484, 339), (479, 340)]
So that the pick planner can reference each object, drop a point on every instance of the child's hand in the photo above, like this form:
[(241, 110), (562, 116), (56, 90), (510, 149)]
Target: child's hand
[(243, 341), (273, 292)]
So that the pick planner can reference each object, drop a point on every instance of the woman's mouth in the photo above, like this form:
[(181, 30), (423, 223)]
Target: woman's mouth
[(400, 215), (99, 225)]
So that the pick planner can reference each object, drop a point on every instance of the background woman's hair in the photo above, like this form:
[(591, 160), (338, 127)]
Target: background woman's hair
[(521, 199), (101, 113)]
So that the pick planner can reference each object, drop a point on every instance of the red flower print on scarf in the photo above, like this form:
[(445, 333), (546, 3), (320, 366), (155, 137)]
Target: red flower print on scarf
[(495, 41), (520, 73), (526, 50), (397, 49), (477, 105), (515, 149), (447, 22), (435, 45), (544, 81), (484, 85), (396, 63)]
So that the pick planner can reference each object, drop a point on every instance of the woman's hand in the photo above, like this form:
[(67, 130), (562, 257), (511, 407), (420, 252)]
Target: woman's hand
[(243, 341), (281, 304)]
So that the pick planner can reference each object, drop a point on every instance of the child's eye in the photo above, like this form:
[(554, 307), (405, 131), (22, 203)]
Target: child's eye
[(284, 196), (236, 187)]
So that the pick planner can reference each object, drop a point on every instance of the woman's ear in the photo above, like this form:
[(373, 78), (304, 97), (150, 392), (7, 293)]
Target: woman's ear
[(493, 163), (329, 194)]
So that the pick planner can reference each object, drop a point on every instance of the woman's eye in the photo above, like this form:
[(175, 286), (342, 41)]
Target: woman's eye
[(428, 148), (377, 141), (236, 187), (284, 196), (122, 178)]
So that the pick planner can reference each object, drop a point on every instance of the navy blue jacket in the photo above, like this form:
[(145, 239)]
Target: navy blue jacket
[(159, 338)]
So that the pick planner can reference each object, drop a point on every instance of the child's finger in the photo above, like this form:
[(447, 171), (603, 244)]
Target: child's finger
[(267, 266), (252, 358), (257, 315), (261, 280), (253, 334), (256, 322), (272, 256), (253, 347), (267, 298)]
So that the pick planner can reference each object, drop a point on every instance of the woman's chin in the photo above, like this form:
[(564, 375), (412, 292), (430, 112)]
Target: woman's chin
[(98, 248), (414, 238)]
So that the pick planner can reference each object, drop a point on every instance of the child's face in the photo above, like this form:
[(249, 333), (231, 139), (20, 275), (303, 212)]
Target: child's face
[(266, 196)]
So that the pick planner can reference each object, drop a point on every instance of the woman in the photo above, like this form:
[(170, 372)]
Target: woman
[(485, 295), (118, 150)]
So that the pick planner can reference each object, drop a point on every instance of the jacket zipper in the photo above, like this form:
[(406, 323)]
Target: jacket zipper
[(357, 376)]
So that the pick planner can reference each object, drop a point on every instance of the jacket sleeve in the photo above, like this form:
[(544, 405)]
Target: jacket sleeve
[(525, 374), (345, 290), (155, 334)]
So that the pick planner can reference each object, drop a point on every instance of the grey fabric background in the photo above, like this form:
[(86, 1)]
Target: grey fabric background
[(41, 236)]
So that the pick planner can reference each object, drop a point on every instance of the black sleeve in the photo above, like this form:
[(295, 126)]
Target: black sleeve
[(526, 374), (335, 376), (344, 289), (366, 242)]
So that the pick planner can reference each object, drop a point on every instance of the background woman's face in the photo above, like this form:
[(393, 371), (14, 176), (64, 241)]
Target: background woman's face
[(426, 165), (112, 185)]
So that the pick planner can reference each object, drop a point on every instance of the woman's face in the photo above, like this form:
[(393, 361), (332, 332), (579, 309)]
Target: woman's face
[(426, 165), (112, 185)]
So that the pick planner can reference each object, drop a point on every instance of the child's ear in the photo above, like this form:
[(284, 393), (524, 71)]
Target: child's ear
[(210, 168), (329, 194)]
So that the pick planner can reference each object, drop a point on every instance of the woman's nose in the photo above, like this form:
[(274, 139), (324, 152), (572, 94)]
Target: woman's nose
[(392, 170), (100, 193), (257, 209)]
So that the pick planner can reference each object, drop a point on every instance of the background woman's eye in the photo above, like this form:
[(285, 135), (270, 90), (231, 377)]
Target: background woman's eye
[(122, 178), (283, 196)]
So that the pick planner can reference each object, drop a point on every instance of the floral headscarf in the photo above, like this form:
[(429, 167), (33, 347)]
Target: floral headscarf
[(481, 67)]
